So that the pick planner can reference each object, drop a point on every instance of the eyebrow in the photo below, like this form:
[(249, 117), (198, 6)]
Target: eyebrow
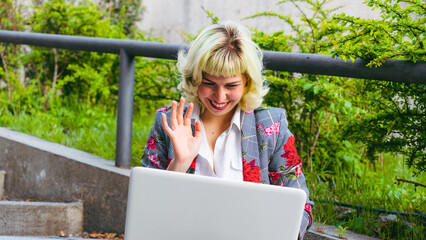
[(235, 82)]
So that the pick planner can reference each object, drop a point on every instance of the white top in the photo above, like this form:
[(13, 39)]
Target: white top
[(227, 151)]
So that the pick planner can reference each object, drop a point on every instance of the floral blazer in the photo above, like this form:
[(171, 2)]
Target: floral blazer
[(269, 154)]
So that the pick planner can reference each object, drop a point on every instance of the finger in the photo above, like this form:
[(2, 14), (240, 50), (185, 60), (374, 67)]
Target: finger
[(198, 131), (173, 121), (187, 119), (180, 110), (165, 124)]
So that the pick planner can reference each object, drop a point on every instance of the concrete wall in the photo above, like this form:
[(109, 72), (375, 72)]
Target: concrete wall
[(170, 19), (43, 171)]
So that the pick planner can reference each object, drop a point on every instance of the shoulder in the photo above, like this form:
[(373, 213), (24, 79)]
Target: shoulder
[(166, 110), (275, 114)]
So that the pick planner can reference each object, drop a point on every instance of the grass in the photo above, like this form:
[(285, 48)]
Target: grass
[(375, 187), (81, 126), (92, 128)]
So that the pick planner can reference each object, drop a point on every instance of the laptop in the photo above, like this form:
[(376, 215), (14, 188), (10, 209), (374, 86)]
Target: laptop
[(165, 205)]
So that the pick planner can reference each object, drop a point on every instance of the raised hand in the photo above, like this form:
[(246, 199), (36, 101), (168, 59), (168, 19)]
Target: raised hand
[(185, 145)]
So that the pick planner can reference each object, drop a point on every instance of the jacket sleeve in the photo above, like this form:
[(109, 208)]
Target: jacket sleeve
[(158, 150), (285, 168)]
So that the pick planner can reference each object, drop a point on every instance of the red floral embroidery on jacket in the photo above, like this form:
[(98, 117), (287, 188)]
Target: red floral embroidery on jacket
[(291, 156), (251, 173), (275, 176), (153, 160), (308, 208), (191, 168), (163, 109), (194, 163), (151, 143), (275, 128)]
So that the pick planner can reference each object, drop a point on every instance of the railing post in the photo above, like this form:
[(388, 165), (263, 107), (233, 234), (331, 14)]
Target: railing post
[(123, 149)]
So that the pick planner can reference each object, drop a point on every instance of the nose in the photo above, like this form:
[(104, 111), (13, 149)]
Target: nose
[(221, 95)]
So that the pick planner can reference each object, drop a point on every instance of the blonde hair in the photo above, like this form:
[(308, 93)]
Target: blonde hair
[(223, 50)]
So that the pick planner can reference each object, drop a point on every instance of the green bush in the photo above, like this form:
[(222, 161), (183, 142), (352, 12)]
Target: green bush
[(72, 95), (396, 121)]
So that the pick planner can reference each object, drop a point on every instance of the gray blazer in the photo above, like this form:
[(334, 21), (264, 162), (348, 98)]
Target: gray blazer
[(269, 154)]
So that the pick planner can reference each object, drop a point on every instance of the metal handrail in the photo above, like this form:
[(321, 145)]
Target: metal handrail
[(392, 70)]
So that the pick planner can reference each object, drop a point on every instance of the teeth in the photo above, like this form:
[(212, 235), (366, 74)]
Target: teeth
[(218, 105)]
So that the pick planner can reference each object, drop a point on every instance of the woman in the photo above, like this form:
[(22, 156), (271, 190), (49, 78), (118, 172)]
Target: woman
[(223, 131)]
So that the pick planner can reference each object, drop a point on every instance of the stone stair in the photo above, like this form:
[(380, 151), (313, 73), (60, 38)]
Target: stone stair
[(31, 218), (327, 232)]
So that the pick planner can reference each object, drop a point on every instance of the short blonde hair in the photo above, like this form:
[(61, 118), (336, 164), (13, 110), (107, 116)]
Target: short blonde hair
[(223, 50)]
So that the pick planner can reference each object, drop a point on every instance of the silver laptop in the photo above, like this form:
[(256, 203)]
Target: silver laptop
[(164, 205)]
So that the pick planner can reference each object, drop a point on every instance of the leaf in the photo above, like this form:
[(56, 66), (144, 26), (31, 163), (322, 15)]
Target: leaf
[(308, 86)]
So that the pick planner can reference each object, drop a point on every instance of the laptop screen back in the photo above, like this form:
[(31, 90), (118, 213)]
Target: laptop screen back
[(169, 205)]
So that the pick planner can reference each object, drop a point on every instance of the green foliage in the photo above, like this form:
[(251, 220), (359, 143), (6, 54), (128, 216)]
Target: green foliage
[(317, 106), (10, 19), (77, 125), (397, 125), (123, 12), (61, 84), (397, 118), (156, 84), (89, 76), (398, 34), (211, 15), (92, 77), (374, 188), (342, 231)]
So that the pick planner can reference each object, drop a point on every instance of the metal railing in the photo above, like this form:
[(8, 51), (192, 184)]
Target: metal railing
[(392, 70)]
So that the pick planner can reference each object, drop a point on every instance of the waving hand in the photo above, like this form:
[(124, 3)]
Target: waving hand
[(185, 145)]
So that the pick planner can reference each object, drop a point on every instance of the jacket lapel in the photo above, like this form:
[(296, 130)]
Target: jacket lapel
[(249, 148)]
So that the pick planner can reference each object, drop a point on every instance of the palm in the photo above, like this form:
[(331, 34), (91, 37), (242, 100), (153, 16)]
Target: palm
[(185, 144)]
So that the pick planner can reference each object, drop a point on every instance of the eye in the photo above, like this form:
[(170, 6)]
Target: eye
[(234, 84), (208, 83)]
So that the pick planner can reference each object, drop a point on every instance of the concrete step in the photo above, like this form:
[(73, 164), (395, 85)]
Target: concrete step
[(39, 238), (2, 175), (20, 218), (325, 232), (328, 232)]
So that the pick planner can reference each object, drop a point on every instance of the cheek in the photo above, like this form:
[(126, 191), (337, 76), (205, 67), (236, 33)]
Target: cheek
[(203, 91), (238, 94)]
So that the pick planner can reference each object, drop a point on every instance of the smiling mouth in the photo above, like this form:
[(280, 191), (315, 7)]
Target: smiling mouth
[(218, 106)]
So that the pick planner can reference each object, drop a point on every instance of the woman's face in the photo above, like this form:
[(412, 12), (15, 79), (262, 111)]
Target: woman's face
[(220, 95)]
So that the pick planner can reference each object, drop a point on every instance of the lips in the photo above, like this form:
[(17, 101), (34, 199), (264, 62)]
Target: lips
[(218, 106)]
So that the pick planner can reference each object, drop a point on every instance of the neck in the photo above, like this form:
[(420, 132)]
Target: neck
[(206, 117)]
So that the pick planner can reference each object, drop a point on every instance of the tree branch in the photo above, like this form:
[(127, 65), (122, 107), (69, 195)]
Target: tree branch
[(309, 23), (55, 72), (318, 132), (414, 3), (412, 182)]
